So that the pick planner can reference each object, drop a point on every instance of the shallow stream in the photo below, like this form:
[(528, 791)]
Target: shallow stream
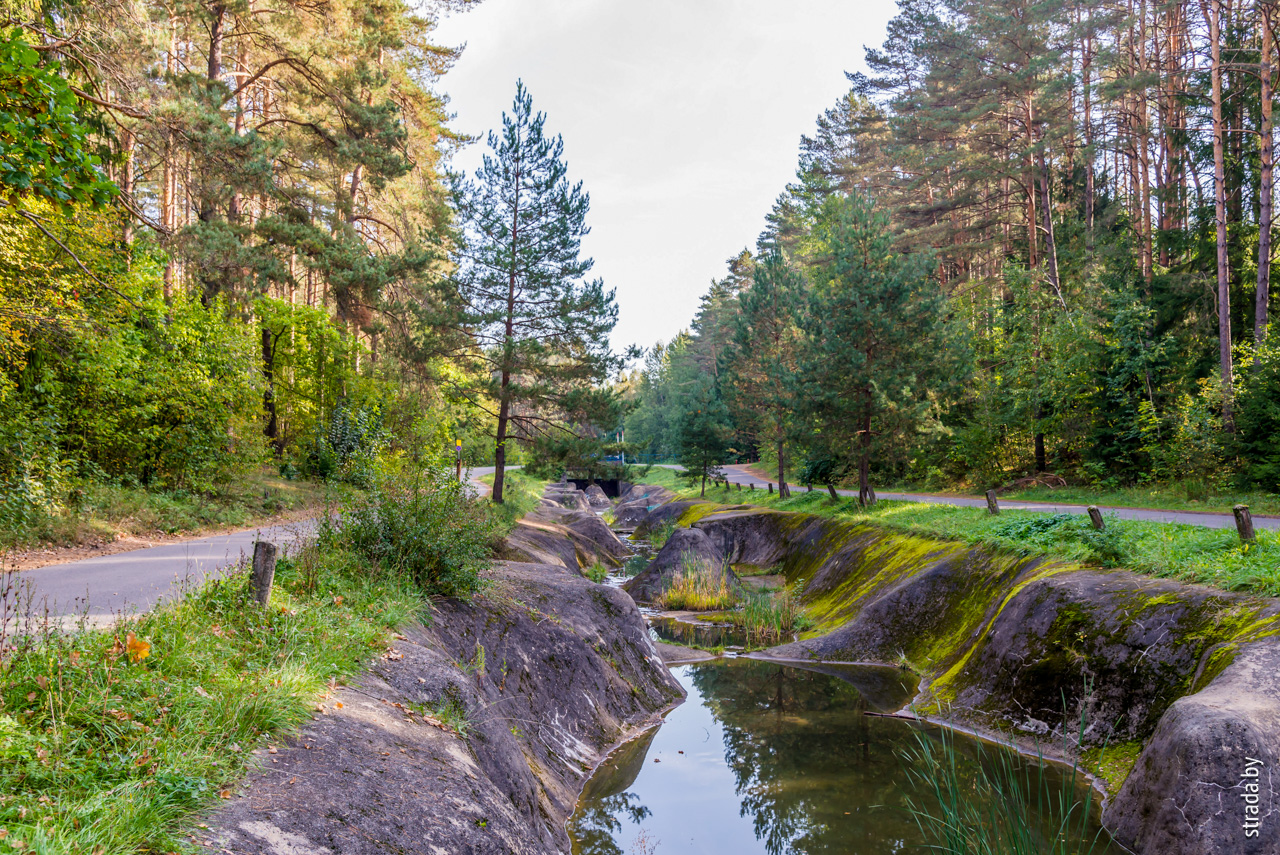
[(763, 758)]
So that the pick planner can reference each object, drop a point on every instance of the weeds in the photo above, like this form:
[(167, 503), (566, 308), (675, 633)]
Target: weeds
[(450, 714), (635, 565), (659, 536), (597, 573), (769, 619), (998, 804), (425, 529), (697, 586)]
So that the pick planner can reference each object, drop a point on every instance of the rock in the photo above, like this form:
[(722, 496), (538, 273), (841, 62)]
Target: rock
[(586, 525), (548, 676), (1208, 780), (686, 545), (568, 497), (596, 497), (574, 540), (654, 493), (652, 519)]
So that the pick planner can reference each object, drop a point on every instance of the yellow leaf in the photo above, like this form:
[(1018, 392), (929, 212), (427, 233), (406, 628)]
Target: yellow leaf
[(138, 648)]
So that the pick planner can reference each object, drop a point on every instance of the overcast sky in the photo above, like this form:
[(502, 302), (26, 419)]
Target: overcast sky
[(682, 118)]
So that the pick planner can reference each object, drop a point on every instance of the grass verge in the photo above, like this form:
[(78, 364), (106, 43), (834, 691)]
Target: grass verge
[(520, 495), (101, 512), (1186, 552)]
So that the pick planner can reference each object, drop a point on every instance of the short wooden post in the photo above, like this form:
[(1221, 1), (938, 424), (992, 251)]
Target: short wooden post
[(1095, 517), (739, 486), (264, 570), (810, 486), (993, 506), (752, 486), (770, 488), (1244, 523)]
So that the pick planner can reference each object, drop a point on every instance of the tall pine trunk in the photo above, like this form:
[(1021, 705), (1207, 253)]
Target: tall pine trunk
[(1266, 189), (783, 490), (1212, 10)]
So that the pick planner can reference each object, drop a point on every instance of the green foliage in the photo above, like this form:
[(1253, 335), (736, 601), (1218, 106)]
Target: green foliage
[(770, 619), (703, 434), (422, 527), (112, 739), (1257, 438), (45, 144), (597, 573)]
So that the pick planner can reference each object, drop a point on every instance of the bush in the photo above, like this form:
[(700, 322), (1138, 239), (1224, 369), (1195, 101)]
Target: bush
[(697, 586), (425, 528)]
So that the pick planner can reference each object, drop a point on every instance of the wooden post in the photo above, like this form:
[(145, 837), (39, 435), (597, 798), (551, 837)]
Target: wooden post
[(752, 486), (739, 486), (770, 488), (1095, 517), (993, 506), (1244, 522), (264, 570), (810, 486)]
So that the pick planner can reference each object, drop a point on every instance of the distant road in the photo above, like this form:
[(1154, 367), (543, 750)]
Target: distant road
[(129, 582), (741, 475)]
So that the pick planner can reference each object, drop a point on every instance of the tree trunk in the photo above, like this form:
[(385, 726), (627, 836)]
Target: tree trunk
[(1265, 191), (272, 428), (1212, 10), (500, 449), (1050, 245), (783, 490), (704, 483), (866, 496)]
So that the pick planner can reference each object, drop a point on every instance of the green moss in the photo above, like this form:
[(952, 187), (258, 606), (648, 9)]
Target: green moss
[(1113, 763)]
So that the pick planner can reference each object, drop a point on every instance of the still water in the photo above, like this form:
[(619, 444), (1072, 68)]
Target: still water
[(763, 758)]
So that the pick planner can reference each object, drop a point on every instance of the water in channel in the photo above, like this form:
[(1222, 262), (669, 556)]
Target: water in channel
[(763, 758)]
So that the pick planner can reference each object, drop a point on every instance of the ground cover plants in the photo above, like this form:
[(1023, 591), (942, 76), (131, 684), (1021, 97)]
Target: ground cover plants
[(1186, 552), (111, 738), (697, 586)]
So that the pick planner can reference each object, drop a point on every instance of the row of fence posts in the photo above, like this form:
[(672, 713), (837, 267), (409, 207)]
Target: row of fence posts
[(1244, 519)]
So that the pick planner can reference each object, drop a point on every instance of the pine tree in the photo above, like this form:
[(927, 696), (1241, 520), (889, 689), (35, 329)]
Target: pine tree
[(880, 349), (543, 327)]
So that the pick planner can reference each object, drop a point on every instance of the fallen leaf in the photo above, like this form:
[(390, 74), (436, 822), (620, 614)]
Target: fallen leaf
[(337, 601), (199, 690), (293, 780), (4, 832), (42, 681), (224, 794), (75, 658), (31, 696), (235, 746), (271, 749), (138, 648)]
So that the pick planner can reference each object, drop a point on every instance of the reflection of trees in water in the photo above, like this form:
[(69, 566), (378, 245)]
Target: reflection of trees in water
[(791, 736), (595, 826)]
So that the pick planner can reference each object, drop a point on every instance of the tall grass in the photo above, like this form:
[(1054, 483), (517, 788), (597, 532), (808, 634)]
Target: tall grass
[(771, 618), (1002, 804), (698, 586)]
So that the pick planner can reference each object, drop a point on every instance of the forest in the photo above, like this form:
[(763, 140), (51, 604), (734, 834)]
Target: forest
[(230, 243), (1034, 239)]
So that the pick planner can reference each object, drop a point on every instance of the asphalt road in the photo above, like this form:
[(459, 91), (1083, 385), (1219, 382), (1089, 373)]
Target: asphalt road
[(740, 475)]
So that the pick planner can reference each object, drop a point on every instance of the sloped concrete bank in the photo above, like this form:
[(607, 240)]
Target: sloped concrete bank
[(544, 673), (1178, 685)]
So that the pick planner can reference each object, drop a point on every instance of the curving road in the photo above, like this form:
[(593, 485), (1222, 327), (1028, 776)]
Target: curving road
[(741, 475)]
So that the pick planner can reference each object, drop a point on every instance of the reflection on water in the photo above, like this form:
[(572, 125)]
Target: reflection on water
[(696, 634), (763, 758)]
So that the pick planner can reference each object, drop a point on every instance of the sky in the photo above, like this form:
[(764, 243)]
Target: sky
[(682, 118)]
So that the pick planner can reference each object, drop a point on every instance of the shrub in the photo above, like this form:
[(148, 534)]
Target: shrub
[(425, 528), (697, 586), (770, 619)]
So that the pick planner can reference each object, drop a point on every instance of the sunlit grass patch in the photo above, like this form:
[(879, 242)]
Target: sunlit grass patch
[(697, 586)]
